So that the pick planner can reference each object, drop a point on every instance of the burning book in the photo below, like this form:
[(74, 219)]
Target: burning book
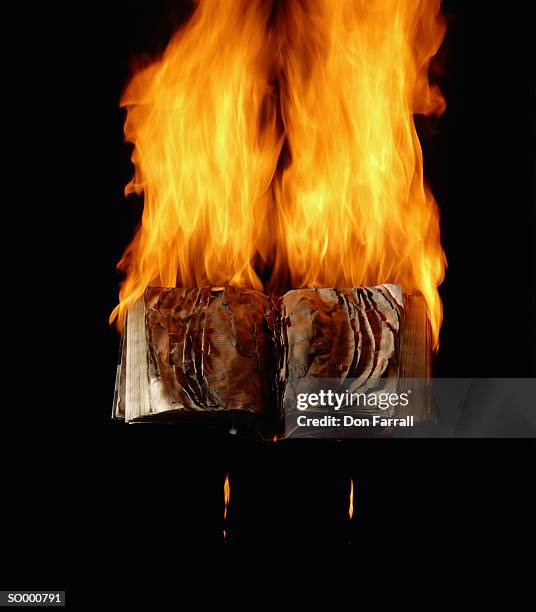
[(275, 148), (227, 356)]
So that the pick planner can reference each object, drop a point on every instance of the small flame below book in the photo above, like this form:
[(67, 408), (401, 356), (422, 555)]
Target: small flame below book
[(226, 500), (351, 500)]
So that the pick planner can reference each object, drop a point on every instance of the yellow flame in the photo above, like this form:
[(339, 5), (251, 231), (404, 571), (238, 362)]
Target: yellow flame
[(226, 495), (226, 500), (343, 203), (351, 502), (353, 206), (202, 120)]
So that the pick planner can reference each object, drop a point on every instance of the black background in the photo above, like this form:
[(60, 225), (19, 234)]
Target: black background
[(88, 498)]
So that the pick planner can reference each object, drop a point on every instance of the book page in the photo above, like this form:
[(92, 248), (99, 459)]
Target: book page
[(137, 402)]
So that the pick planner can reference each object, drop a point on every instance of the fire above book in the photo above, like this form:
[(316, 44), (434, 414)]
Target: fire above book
[(226, 356)]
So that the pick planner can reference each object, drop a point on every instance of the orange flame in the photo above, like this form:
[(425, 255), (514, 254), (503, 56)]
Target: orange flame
[(351, 502), (202, 120), (353, 206), (343, 203), (226, 500)]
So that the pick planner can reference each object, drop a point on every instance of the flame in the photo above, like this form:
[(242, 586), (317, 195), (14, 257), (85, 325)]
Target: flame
[(352, 204), (342, 203), (226, 495), (351, 502), (226, 500), (202, 121)]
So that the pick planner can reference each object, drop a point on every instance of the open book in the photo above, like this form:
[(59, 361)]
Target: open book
[(227, 356)]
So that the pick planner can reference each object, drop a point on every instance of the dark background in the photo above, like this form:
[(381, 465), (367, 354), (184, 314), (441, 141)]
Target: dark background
[(90, 498)]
